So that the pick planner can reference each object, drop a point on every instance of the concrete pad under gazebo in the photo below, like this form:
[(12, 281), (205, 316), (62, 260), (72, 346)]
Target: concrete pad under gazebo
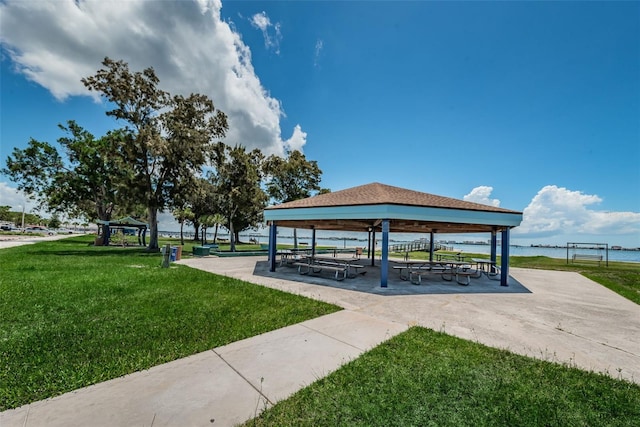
[(383, 208)]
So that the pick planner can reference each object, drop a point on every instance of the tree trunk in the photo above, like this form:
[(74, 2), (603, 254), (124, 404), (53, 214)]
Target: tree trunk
[(153, 230), (105, 234), (232, 237), (196, 234), (215, 234), (204, 234), (181, 233)]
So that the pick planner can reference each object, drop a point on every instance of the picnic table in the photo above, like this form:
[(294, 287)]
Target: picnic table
[(412, 265), (349, 263), (341, 267), (447, 269), (487, 267), (461, 270), (288, 257), (293, 255), (449, 257)]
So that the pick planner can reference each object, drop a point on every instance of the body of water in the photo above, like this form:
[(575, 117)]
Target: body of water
[(341, 239), (553, 252)]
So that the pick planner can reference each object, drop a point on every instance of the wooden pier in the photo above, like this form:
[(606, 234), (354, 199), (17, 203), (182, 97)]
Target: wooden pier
[(417, 245)]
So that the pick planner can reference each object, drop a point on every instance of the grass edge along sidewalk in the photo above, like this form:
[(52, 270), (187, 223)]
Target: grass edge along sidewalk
[(74, 315), (427, 378)]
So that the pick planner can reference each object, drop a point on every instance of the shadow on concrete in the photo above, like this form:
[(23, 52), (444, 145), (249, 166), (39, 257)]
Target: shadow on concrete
[(369, 281)]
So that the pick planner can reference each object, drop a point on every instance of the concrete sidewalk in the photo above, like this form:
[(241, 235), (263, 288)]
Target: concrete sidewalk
[(13, 240), (560, 316), (222, 387)]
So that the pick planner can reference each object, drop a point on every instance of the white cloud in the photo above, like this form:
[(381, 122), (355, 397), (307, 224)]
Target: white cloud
[(482, 194), (166, 222), (557, 211), (297, 140), (262, 22), (11, 196), (191, 49), (317, 52)]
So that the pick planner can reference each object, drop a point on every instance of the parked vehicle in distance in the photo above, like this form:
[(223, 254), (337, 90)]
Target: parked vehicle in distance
[(39, 229), (64, 231)]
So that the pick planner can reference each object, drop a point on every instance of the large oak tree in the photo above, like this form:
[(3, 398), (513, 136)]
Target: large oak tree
[(82, 178), (237, 181), (172, 135), (292, 178)]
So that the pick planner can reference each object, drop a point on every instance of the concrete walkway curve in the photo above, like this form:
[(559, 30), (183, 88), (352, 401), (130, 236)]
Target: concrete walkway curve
[(221, 387), (563, 317)]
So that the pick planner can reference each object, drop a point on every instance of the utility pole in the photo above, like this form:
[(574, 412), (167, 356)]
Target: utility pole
[(22, 217)]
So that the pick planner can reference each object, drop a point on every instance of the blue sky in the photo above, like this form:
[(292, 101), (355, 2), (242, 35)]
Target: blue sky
[(532, 106)]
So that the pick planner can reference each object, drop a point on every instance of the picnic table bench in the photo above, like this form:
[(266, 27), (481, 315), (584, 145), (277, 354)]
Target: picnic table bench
[(308, 268), (289, 257), (341, 267), (463, 277), (462, 272), (587, 257), (411, 265), (350, 263), (488, 267), (415, 274), (447, 269)]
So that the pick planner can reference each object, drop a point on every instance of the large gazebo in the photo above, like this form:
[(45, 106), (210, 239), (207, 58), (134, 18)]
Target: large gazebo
[(383, 208)]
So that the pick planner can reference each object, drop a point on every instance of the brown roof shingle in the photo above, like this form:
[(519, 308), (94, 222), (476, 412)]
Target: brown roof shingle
[(378, 194)]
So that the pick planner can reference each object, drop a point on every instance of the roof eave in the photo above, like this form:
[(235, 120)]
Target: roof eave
[(398, 212)]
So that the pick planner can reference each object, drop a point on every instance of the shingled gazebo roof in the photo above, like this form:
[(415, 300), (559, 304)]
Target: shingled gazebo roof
[(360, 208)]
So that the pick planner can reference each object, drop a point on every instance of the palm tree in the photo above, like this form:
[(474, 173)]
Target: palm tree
[(207, 221), (218, 220), (181, 215)]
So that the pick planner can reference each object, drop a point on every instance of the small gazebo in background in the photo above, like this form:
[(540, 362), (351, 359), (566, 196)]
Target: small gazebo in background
[(383, 208), (121, 224)]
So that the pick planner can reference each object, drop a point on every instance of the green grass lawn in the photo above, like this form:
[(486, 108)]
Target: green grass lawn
[(74, 315), (427, 378)]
